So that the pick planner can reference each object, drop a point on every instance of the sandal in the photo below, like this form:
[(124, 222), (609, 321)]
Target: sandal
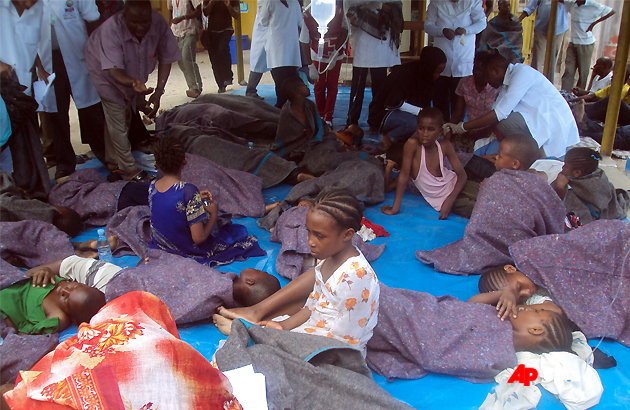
[(142, 176)]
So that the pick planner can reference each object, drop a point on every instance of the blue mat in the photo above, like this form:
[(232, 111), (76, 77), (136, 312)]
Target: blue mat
[(416, 227)]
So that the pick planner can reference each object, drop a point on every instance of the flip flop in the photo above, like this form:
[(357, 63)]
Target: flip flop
[(142, 176)]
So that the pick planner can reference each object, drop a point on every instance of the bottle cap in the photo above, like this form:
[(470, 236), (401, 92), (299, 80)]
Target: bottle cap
[(101, 232)]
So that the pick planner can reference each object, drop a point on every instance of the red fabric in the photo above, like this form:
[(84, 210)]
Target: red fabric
[(378, 229), (130, 350), (328, 81)]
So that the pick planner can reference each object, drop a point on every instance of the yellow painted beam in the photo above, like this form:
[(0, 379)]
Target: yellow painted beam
[(238, 34), (551, 37), (619, 71)]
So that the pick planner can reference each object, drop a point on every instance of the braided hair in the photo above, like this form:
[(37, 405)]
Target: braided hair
[(583, 159), (342, 206), (492, 279), (169, 155), (558, 336)]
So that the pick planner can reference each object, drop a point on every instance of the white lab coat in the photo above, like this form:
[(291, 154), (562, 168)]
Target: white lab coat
[(467, 14), (18, 39), (257, 55), (72, 35), (283, 38)]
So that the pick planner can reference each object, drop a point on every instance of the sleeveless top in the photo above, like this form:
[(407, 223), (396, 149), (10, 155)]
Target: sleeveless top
[(435, 189)]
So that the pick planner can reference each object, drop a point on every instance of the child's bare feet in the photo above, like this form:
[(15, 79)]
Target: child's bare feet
[(269, 208), (246, 313), (222, 323), (303, 177), (578, 111)]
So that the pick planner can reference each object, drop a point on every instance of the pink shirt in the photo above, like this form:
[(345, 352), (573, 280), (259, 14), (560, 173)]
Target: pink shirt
[(435, 189), (477, 103), (113, 46)]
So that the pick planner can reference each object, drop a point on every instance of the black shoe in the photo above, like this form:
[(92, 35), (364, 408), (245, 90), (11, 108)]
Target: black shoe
[(222, 90), (228, 82)]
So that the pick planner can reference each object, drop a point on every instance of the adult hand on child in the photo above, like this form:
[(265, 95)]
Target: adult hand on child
[(506, 305), (388, 210), (449, 33), (457, 128), (41, 275)]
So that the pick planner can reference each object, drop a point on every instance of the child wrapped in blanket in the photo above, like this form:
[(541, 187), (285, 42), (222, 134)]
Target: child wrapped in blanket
[(585, 190)]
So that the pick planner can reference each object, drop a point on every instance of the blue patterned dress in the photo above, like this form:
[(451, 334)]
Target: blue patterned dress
[(174, 211)]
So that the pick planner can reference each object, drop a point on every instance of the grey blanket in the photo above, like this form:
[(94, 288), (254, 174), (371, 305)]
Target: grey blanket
[(593, 197), (291, 232), (19, 352), (133, 228), (587, 273), (262, 163), (33, 243), (363, 179), (233, 117), (511, 206), (13, 207), (191, 291), (505, 36), (304, 371), (418, 333), (89, 194)]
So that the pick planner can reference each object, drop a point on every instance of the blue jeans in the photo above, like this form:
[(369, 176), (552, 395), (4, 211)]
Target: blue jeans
[(399, 125)]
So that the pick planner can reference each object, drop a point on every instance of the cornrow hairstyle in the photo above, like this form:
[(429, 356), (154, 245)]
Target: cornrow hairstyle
[(342, 206), (558, 336), (169, 154), (431, 113), (583, 159), (492, 279)]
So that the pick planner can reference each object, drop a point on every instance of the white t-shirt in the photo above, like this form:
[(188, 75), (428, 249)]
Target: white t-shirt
[(181, 8), (601, 83), (582, 17), (546, 112), (91, 272), (370, 52), (20, 36)]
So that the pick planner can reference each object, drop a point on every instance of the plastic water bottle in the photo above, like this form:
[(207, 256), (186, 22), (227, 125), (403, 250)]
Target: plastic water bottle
[(250, 145), (102, 245)]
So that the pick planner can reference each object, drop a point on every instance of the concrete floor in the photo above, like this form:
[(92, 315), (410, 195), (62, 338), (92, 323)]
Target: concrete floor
[(175, 94)]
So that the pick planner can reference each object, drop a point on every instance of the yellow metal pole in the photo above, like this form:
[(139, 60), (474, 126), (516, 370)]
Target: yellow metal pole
[(614, 100), (551, 37), (238, 34), (422, 14)]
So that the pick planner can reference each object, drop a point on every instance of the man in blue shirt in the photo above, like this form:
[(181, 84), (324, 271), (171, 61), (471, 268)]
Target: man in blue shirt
[(543, 9)]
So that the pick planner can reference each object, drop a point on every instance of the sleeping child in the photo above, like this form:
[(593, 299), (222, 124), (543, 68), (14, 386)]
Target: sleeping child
[(50, 308), (585, 189), (183, 218), (336, 299), (423, 163), (513, 204)]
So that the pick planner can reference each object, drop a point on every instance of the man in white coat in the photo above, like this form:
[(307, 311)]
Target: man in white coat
[(283, 19), (257, 55), (64, 33), (454, 25)]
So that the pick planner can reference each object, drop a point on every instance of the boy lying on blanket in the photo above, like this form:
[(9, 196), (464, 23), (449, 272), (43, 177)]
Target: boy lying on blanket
[(513, 205)]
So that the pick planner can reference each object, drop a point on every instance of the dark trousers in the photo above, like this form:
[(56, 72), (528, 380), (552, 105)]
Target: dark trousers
[(279, 74), (597, 111), (219, 53), (478, 168), (445, 94), (91, 121), (357, 89)]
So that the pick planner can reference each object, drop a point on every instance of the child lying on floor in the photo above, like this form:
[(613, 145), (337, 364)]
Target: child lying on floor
[(423, 162), (343, 291), (585, 190), (50, 308)]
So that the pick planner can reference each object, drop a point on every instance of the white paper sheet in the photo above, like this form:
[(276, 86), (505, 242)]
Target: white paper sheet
[(41, 89), (249, 387)]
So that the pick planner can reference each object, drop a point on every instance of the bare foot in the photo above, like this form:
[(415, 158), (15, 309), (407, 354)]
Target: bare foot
[(269, 208), (386, 141), (239, 313), (222, 323), (578, 111), (303, 177)]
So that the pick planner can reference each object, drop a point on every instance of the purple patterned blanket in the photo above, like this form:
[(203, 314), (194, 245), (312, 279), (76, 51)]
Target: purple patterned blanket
[(133, 228), (587, 273), (290, 231), (88, 193), (19, 352), (191, 291), (512, 206), (33, 243), (418, 333)]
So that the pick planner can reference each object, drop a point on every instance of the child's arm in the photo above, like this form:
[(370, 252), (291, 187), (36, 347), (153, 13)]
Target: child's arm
[(201, 230), (447, 205), (45, 273), (408, 152), (390, 185), (560, 185), (504, 300)]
